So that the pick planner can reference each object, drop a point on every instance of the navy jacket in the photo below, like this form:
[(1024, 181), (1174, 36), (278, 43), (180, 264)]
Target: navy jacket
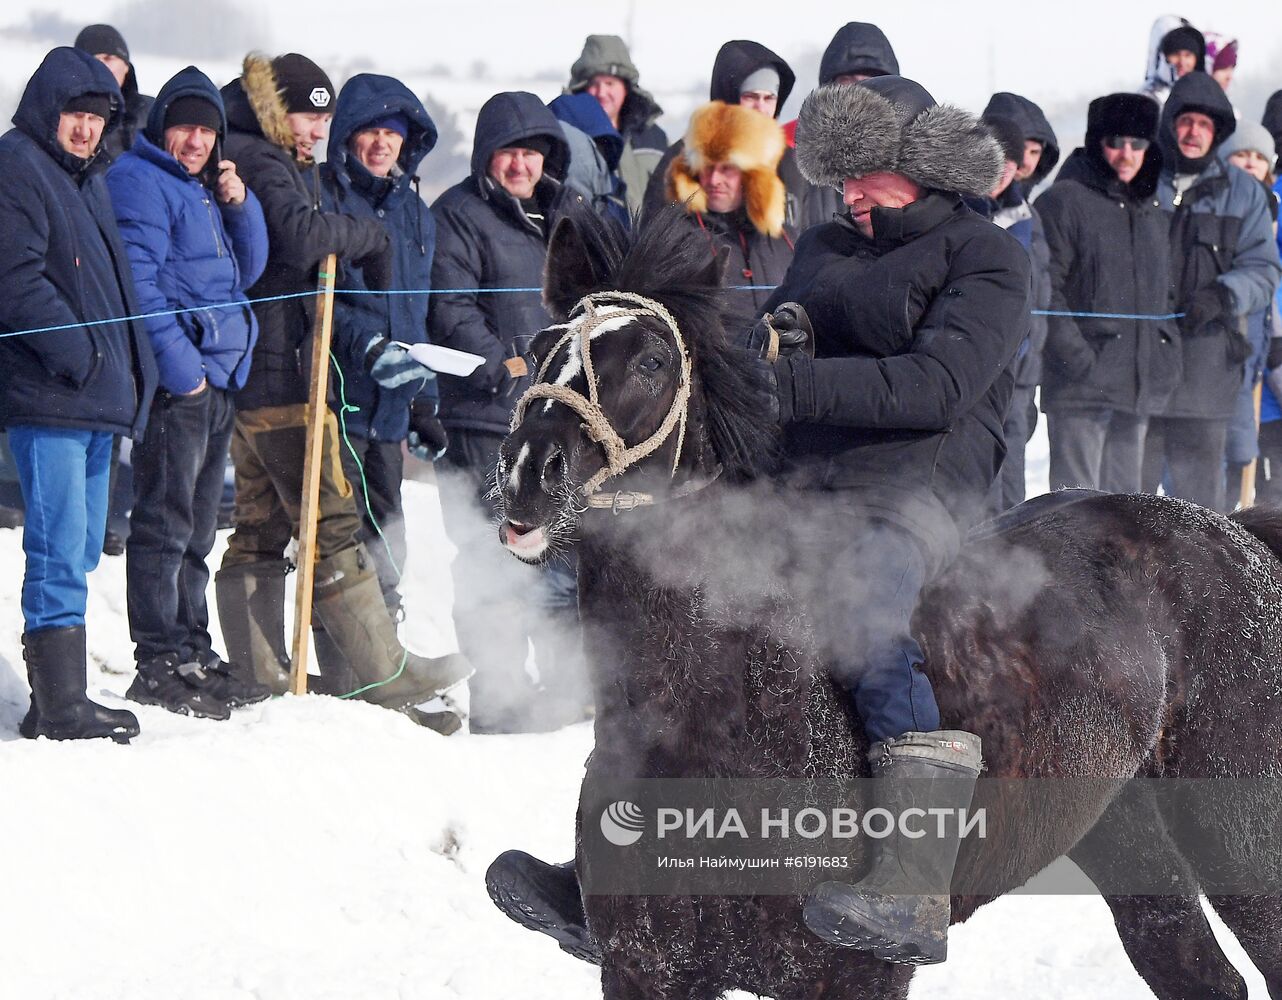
[(62, 263), (187, 250), (299, 234), (374, 412), (485, 239), (915, 332)]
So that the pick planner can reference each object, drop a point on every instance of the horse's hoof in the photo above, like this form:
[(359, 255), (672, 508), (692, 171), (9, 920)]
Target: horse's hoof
[(888, 927), (544, 898)]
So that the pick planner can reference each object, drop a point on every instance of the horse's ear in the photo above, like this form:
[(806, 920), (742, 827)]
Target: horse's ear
[(569, 273), (714, 272)]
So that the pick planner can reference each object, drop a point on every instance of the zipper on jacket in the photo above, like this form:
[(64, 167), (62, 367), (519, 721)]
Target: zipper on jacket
[(218, 245)]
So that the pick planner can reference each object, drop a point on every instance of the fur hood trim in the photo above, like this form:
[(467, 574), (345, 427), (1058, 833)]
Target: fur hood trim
[(852, 131), (267, 100), (751, 141)]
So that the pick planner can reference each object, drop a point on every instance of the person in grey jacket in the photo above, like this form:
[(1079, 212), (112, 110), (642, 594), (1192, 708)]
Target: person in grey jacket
[(1224, 267)]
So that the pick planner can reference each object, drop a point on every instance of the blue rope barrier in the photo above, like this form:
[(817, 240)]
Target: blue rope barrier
[(311, 292)]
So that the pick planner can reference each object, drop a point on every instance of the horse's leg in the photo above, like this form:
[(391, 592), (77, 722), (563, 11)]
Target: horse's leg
[(844, 979), (1167, 938), (1256, 922), (620, 982)]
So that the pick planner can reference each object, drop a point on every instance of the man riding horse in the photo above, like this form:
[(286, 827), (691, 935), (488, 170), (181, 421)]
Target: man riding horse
[(912, 307)]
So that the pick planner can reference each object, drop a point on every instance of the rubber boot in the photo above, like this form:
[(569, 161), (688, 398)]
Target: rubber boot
[(60, 709), (336, 675), (544, 898), (251, 611), (347, 600), (900, 911)]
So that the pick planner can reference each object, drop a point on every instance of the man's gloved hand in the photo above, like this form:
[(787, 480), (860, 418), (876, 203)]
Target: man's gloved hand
[(1210, 305), (1239, 348), (427, 438), (390, 365), (1274, 358), (783, 332), (376, 269)]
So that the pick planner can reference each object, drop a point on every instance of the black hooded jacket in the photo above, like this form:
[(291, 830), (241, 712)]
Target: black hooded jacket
[(736, 60), (915, 331), (62, 264), (1032, 121), (858, 47), (486, 239), (137, 106), (299, 233), (1110, 253)]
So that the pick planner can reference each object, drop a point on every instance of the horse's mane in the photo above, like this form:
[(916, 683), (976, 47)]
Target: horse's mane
[(667, 260)]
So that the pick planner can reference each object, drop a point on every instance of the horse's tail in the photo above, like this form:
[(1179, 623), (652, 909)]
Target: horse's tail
[(1265, 523)]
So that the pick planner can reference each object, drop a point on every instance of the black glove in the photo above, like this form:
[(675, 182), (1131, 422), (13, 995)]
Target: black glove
[(427, 438), (1207, 307), (376, 269), (791, 327), (1274, 359), (1239, 348)]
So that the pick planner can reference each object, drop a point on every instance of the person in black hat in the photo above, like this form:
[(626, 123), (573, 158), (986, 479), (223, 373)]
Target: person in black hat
[(1104, 378), (276, 113), (107, 45)]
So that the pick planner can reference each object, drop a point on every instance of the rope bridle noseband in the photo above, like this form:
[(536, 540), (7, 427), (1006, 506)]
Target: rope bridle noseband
[(618, 455)]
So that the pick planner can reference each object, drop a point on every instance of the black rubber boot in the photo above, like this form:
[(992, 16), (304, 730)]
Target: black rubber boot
[(60, 709), (544, 898), (336, 676), (900, 911), (251, 612), (348, 602)]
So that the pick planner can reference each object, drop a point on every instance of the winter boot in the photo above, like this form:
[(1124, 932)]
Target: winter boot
[(900, 911), (251, 611), (231, 682), (544, 898), (183, 688), (60, 709), (336, 675)]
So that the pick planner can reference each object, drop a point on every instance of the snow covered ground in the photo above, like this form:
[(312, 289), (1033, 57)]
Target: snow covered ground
[(312, 849)]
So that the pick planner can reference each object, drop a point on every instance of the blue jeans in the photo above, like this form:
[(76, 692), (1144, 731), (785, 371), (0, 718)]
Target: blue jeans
[(64, 475), (864, 579)]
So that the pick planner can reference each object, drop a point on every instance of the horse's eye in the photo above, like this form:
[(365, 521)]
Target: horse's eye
[(652, 364)]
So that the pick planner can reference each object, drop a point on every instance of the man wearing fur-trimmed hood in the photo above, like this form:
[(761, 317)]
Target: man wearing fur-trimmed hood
[(726, 179), (276, 112), (917, 307)]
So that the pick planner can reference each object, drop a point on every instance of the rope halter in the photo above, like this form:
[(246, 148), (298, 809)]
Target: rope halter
[(618, 455)]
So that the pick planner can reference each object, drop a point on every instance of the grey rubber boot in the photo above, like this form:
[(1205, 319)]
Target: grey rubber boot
[(251, 612), (900, 911), (347, 600), (60, 709)]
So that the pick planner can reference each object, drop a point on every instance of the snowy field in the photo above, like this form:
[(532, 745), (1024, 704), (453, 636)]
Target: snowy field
[(311, 849)]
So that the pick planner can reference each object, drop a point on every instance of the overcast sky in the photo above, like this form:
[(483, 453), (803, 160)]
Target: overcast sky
[(959, 50)]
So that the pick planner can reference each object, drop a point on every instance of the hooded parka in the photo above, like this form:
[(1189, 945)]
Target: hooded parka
[(486, 239), (189, 251), (104, 38), (62, 264), (300, 234), (373, 411)]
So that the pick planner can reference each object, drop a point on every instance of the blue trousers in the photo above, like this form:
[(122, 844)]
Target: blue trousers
[(65, 475), (864, 578)]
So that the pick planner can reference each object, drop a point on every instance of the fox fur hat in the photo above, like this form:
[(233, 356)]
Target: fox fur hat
[(891, 124), (751, 141)]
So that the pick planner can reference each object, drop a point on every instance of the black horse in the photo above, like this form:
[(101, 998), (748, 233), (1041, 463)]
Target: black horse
[(1114, 637)]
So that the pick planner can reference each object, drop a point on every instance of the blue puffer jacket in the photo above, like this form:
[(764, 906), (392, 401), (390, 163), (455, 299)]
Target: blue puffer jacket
[(347, 187), (187, 250), (62, 263)]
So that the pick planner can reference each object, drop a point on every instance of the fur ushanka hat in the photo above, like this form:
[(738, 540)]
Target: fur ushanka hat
[(891, 124), (751, 141)]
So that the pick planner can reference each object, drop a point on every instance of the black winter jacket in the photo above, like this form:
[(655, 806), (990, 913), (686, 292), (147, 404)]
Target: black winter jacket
[(62, 263), (754, 262), (914, 334), (485, 239), (1109, 254), (299, 233)]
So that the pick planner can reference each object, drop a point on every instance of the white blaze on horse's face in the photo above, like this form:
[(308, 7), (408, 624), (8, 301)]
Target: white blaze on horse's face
[(574, 359)]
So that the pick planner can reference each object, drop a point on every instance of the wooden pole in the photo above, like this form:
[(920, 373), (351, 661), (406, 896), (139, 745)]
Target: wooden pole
[(1247, 497), (317, 408)]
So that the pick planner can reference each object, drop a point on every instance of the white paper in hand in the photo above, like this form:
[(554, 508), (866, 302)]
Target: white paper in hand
[(445, 360)]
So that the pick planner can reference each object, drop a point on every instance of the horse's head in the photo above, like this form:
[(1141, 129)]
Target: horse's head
[(638, 396)]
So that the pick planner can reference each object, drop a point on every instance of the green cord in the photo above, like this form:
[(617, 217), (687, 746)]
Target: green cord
[(343, 409)]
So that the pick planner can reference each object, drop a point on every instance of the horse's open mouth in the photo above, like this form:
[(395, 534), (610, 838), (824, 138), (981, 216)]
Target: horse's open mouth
[(525, 541)]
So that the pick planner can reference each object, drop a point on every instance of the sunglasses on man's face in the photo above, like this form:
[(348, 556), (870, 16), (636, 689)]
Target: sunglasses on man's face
[(1122, 141)]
